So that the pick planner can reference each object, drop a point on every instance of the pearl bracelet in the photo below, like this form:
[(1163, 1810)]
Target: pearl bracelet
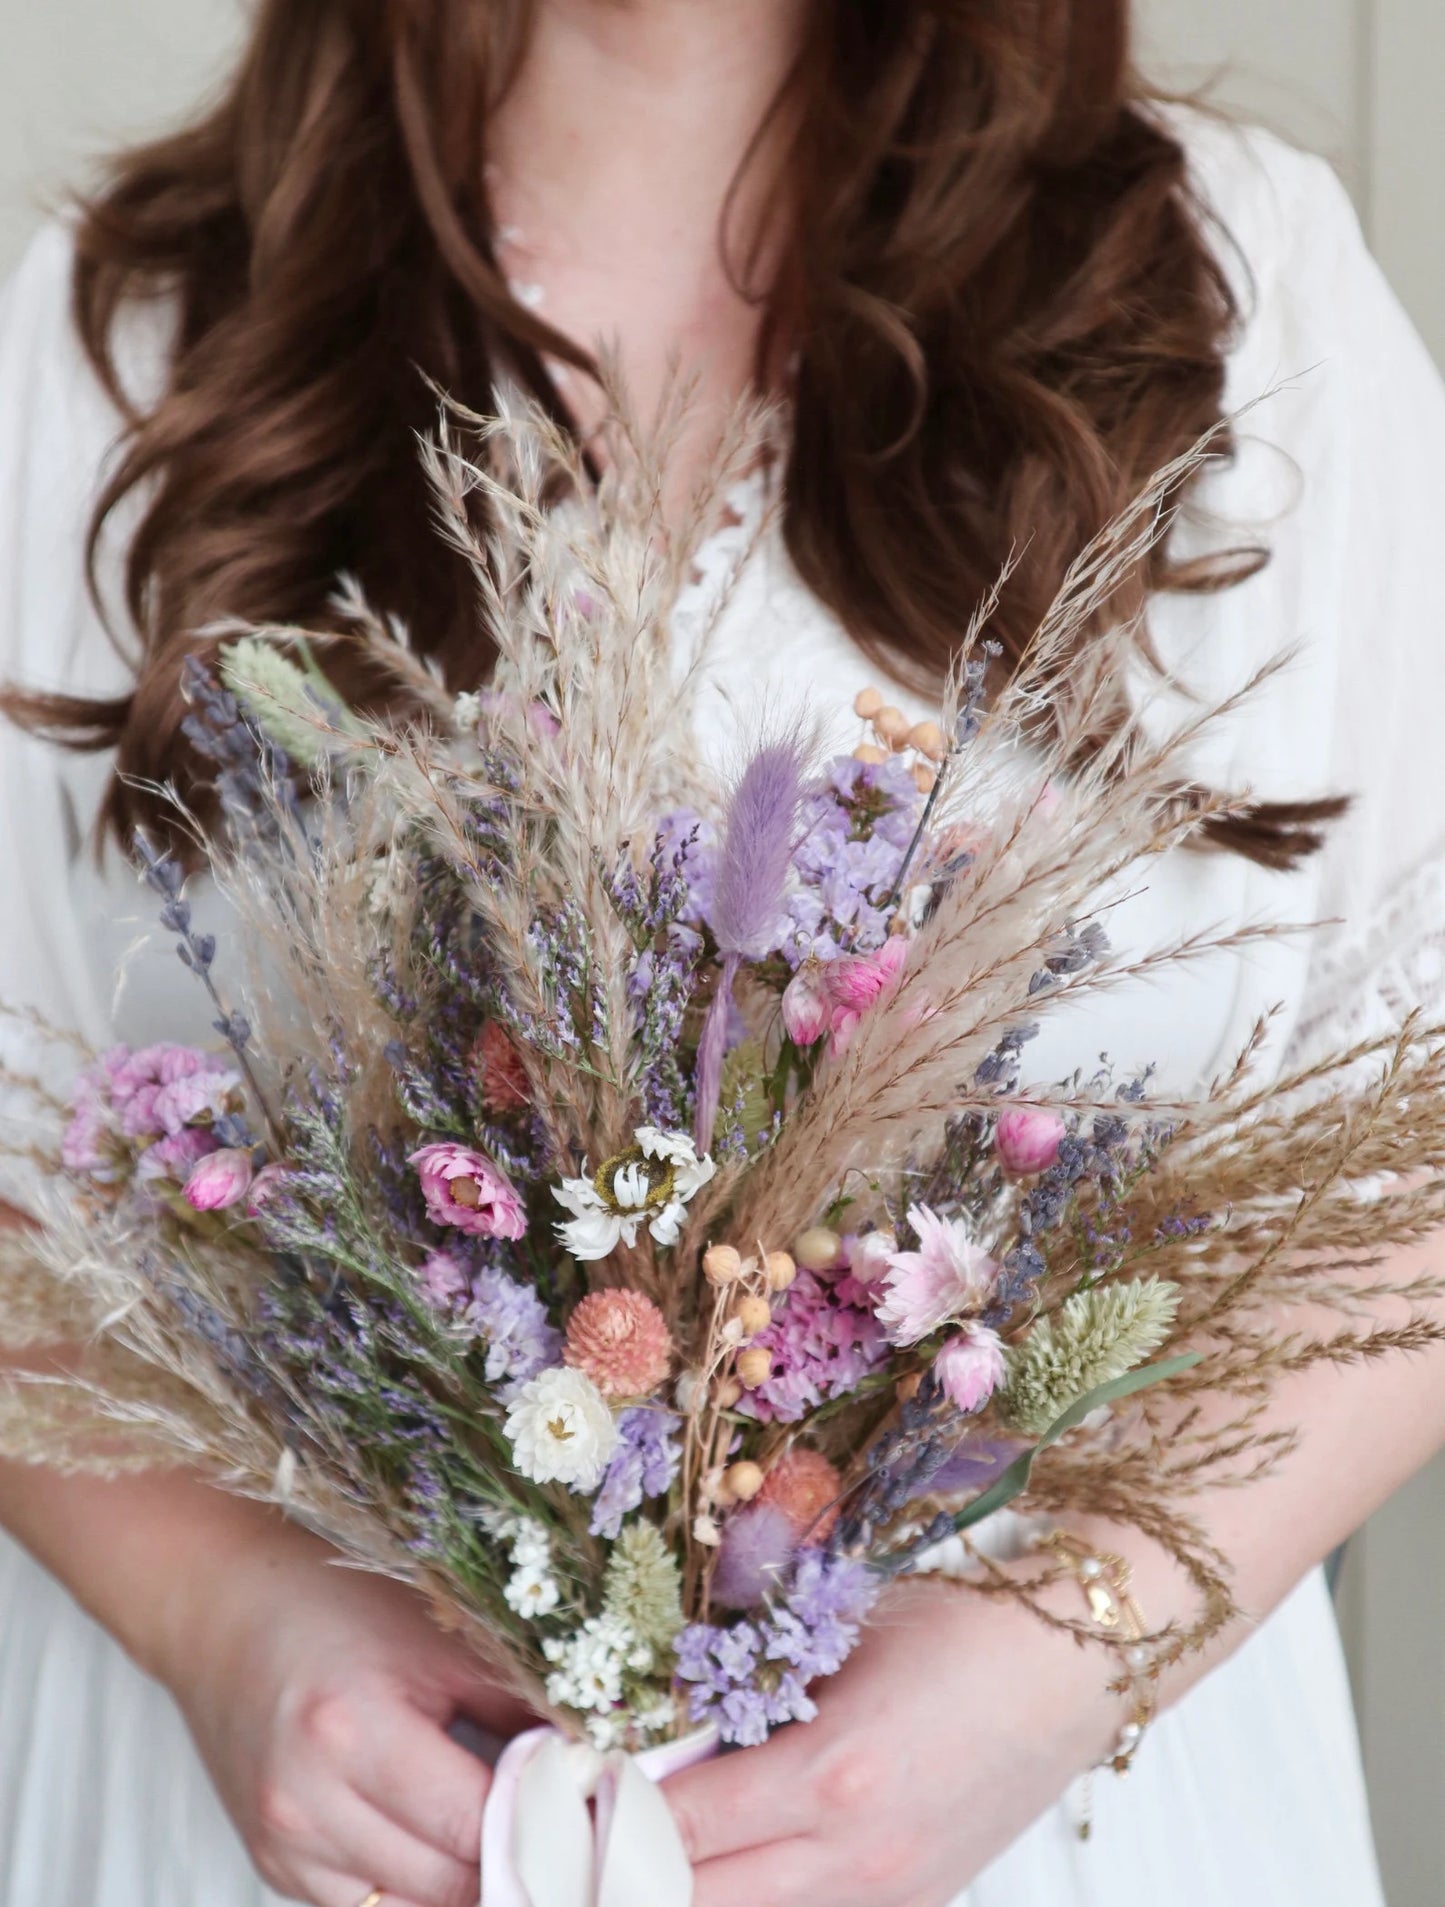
[(1106, 1582)]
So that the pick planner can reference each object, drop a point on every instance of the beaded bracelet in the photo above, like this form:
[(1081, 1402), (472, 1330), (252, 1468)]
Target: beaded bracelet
[(1106, 1582)]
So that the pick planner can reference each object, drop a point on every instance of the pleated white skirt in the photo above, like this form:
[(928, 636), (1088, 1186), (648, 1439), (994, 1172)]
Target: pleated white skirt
[(1248, 1794)]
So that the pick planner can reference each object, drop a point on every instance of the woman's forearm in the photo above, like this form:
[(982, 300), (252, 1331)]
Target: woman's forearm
[(1360, 1430), (139, 1552)]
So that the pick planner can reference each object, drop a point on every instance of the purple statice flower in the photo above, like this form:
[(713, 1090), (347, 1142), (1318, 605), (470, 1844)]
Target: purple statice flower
[(753, 1676), (513, 1321), (691, 847), (824, 1339), (158, 1111), (817, 1629), (855, 831), (644, 1464), (175, 1157)]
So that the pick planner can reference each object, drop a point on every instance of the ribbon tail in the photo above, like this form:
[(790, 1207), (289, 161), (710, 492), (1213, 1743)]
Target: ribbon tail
[(552, 1842), (641, 1857)]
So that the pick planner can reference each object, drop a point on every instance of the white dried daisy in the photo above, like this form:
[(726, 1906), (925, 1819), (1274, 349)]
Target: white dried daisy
[(561, 1430), (651, 1182)]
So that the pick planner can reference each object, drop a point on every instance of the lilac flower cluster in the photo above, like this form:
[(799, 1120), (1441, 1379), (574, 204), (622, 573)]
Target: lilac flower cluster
[(754, 1676), (824, 1340), (155, 1112), (508, 1317), (644, 1464), (855, 832)]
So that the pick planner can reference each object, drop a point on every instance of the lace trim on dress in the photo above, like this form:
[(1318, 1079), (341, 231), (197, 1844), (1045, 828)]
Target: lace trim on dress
[(719, 560), (1365, 979)]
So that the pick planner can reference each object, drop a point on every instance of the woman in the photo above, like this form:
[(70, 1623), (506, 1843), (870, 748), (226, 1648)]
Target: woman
[(997, 289)]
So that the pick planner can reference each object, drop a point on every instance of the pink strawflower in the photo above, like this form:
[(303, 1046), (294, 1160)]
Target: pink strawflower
[(221, 1179), (856, 982), (806, 1488), (504, 1084), (1026, 1140), (806, 1009), (970, 1367), (949, 1276), (468, 1190), (621, 1341), (444, 1281)]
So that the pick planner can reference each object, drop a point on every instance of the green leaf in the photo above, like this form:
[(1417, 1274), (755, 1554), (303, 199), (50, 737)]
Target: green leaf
[(1014, 1480)]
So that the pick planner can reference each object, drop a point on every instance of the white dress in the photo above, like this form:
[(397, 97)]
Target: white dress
[(1250, 1791)]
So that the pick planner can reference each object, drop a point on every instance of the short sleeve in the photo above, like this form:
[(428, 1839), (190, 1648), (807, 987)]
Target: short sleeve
[(57, 428), (1341, 473)]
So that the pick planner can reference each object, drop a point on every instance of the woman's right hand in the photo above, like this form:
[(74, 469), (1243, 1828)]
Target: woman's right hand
[(320, 1697)]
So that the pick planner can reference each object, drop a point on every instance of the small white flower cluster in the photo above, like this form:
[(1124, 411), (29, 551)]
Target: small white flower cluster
[(531, 1589), (590, 1664), (602, 1220), (561, 1430)]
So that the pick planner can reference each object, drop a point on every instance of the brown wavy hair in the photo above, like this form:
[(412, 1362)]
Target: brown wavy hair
[(1002, 308)]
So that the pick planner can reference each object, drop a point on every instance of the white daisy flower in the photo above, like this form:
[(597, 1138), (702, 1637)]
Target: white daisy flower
[(532, 1591), (650, 1183), (561, 1430)]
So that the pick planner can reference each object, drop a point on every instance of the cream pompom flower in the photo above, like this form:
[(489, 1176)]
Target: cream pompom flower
[(561, 1430), (650, 1183)]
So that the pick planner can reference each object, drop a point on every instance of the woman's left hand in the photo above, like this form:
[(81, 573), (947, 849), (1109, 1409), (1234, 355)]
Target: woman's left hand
[(954, 1725)]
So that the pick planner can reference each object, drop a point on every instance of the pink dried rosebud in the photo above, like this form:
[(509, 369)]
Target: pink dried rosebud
[(219, 1180), (805, 1487), (504, 1085), (621, 1341), (264, 1187), (1027, 1140), (806, 1010), (970, 1367), (855, 982), (467, 1190)]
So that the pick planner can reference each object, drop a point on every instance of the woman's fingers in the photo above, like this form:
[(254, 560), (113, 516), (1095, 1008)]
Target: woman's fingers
[(425, 1783), (363, 1840), (748, 1800), (787, 1874)]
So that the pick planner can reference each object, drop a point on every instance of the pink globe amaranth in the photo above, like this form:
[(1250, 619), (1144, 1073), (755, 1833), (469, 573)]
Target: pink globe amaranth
[(970, 1368), (621, 1341), (221, 1179), (855, 982), (469, 1191), (1026, 1140)]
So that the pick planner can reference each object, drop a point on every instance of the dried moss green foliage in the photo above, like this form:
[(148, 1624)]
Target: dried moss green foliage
[(643, 1586), (1094, 1337), (277, 696)]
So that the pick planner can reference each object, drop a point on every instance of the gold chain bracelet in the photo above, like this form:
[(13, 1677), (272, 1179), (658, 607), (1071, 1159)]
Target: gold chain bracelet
[(1106, 1581)]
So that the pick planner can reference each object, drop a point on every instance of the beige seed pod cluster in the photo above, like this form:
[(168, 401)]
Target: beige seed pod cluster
[(894, 734)]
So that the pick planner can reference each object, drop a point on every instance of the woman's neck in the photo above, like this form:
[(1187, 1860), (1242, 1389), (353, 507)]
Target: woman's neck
[(612, 159)]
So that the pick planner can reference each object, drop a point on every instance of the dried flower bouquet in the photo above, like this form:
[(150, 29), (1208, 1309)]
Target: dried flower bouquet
[(617, 1202)]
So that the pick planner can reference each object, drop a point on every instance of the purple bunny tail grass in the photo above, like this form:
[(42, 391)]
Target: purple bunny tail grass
[(758, 837), (710, 1050)]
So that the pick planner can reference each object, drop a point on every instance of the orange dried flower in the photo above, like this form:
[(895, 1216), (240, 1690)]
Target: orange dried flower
[(805, 1487)]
